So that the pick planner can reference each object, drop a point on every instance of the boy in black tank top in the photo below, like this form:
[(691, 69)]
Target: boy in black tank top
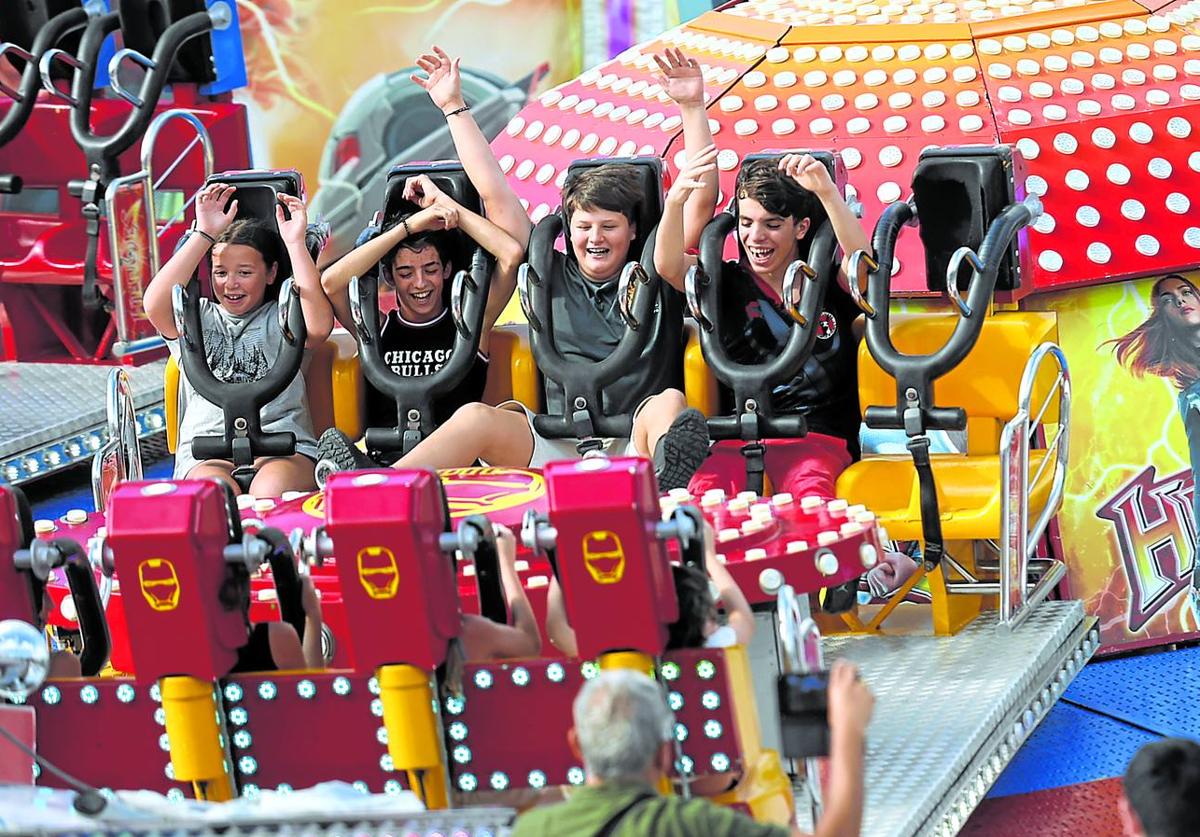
[(417, 337)]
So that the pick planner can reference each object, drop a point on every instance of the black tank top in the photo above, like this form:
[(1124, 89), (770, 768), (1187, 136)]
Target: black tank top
[(413, 349), (754, 328)]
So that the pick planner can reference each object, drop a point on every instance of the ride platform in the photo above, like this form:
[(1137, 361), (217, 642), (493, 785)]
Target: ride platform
[(53, 415), (951, 712)]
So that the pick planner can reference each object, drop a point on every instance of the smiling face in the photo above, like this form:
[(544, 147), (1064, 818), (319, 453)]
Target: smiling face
[(240, 277), (419, 276), (1180, 300), (768, 240), (600, 239)]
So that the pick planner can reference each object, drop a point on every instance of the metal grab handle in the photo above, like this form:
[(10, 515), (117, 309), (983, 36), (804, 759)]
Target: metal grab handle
[(21, 53), (631, 271), (122, 442), (856, 259), (114, 68), (356, 312), (691, 291), (47, 62), (526, 276), (458, 289), (178, 296), (799, 637), (789, 288), (289, 294), (956, 261)]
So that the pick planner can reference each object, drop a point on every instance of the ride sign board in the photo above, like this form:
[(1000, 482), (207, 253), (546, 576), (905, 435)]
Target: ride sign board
[(133, 241)]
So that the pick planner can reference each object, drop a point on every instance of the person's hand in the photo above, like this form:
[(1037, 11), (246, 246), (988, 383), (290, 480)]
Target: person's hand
[(443, 84), (291, 230), (422, 191), (850, 701), (506, 545), (680, 77), (691, 176), (808, 172), (434, 217), (211, 216), (310, 598), (893, 569)]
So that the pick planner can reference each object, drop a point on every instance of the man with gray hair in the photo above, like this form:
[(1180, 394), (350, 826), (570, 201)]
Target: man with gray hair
[(624, 734)]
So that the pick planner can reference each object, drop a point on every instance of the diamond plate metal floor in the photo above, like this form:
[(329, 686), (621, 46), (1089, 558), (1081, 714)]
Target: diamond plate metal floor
[(952, 711), (1169, 710), (1087, 810), (52, 415), (1071, 746)]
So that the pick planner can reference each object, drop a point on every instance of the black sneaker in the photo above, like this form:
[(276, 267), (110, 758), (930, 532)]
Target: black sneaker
[(337, 452), (681, 450)]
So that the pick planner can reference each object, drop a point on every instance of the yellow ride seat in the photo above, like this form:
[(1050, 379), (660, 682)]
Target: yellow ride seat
[(986, 385)]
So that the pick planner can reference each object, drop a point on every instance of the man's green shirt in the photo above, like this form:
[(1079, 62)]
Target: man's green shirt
[(590, 809)]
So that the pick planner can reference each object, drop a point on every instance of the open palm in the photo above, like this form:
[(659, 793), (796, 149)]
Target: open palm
[(443, 83), (680, 76)]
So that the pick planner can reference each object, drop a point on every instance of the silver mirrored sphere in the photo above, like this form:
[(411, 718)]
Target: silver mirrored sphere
[(24, 659)]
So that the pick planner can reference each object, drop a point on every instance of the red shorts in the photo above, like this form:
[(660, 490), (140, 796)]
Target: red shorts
[(802, 467)]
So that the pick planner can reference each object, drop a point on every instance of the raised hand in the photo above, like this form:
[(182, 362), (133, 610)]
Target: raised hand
[(436, 216), (291, 230), (443, 83), (211, 216), (691, 176), (680, 77), (422, 191), (850, 701), (808, 172)]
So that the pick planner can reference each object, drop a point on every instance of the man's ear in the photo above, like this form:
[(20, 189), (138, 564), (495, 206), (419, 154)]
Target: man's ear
[(573, 744), (1131, 826), (666, 757)]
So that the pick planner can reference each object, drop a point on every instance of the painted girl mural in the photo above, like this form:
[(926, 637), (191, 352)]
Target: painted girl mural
[(1167, 344)]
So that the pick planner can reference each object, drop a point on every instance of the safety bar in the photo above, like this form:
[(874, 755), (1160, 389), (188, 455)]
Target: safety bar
[(45, 66), (476, 537), (914, 411), (30, 60), (242, 402), (526, 277), (414, 395), (583, 381), (458, 289), (754, 416), (120, 456), (105, 149), (1019, 540), (43, 557), (286, 575)]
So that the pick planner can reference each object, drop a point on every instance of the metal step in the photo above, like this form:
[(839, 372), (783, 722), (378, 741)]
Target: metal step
[(52, 414)]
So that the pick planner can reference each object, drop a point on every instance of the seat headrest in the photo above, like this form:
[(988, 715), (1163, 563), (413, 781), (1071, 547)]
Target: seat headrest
[(832, 160), (451, 179), (257, 192), (958, 192), (143, 23), (649, 208), (21, 21)]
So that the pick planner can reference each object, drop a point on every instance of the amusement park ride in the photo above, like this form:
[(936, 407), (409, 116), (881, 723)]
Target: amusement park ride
[(1034, 145)]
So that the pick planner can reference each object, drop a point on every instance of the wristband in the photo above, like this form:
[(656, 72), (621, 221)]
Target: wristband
[(194, 229), (457, 111), (407, 231)]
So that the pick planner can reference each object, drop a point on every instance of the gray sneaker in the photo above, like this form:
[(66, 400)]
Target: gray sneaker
[(337, 452), (681, 450)]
